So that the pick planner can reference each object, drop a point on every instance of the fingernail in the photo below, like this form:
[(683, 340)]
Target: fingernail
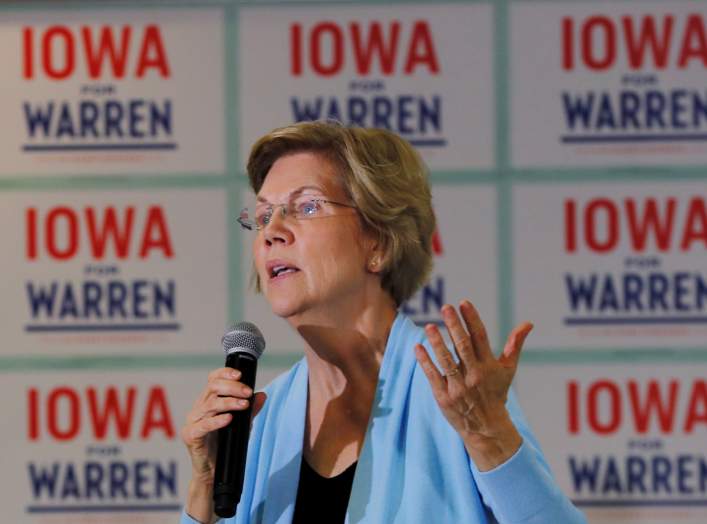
[(235, 374), (246, 391), (242, 402)]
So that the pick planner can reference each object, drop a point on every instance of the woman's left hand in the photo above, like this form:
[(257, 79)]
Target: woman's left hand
[(472, 392)]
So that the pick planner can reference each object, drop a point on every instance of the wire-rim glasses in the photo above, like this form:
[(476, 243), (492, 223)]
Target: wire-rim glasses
[(301, 208)]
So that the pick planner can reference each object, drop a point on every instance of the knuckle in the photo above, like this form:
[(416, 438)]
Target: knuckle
[(445, 401), (464, 344)]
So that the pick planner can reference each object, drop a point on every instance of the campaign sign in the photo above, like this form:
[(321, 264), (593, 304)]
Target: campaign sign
[(425, 72), (606, 265), (112, 91), (465, 252), (625, 441), (93, 271), (90, 444), (608, 83)]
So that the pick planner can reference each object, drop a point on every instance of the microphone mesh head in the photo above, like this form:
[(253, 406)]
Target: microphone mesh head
[(244, 336)]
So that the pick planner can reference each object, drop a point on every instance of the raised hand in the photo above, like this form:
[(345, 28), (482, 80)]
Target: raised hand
[(472, 388)]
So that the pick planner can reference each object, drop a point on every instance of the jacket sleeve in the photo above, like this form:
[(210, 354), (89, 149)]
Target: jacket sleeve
[(522, 489)]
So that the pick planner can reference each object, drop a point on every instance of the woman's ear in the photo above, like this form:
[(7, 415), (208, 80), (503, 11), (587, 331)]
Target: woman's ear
[(376, 258)]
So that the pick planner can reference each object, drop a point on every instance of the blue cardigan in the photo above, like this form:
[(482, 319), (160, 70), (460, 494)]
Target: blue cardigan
[(413, 467)]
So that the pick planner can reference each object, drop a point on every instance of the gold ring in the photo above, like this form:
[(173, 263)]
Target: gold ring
[(452, 372)]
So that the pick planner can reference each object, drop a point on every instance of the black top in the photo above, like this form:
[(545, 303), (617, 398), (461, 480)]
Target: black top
[(321, 499)]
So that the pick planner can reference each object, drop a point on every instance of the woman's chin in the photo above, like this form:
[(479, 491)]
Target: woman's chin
[(285, 307)]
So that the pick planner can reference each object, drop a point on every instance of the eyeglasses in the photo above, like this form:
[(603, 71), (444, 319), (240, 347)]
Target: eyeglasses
[(302, 207)]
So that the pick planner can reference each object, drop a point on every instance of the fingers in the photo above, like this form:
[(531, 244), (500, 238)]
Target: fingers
[(431, 372), (514, 344), (223, 393), (444, 357), (477, 330), (460, 338), (192, 433), (213, 409)]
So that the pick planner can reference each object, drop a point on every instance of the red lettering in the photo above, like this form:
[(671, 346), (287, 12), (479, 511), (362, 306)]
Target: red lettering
[(694, 44), (157, 415), (71, 233), (695, 229), (614, 419), (152, 45), (32, 414), (31, 233), (111, 409), (601, 23), (653, 403), (636, 45), (95, 55), (650, 221), (73, 418), (437, 248), (48, 52), (386, 52), (591, 228), (567, 43), (697, 409), (315, 48), (109, 228), (570, 226), (421, 51), (573, 407), (156, 235), (296, 49), (27, 52)]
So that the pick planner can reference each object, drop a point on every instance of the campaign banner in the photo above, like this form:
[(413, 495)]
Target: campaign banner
[(97, 446), (464, 249), (624, 441), (425, 72), (605, 265), (97, 271), (608, 83), (106, 91)]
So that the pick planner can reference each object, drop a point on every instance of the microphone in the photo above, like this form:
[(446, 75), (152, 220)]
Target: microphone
[(243, 345)]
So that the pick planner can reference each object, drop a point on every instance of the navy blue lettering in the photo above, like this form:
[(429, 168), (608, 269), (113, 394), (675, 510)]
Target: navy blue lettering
[(65, 125), (136, 117), (583, 472), (581, 292), (114, 116), (38, 117), (41, 299), (88, 111), (93, 475), (43, 479), (578, 108)]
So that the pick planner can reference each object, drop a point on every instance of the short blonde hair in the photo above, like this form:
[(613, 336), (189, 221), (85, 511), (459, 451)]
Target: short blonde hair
[(385, 179)]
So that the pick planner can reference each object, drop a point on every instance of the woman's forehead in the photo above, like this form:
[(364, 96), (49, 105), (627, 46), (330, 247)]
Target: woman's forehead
[(298, 173)]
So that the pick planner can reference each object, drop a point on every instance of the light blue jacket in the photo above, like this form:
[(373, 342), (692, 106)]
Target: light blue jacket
[(413, 467)]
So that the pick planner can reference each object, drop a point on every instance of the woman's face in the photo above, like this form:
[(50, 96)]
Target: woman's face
[(326, 257)]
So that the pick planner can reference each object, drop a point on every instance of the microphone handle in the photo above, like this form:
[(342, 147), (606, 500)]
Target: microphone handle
[(233, 443)]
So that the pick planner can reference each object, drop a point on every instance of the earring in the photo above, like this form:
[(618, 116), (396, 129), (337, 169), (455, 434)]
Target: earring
[(373, 264)]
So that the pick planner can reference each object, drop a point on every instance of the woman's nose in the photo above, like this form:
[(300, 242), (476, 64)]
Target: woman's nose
[(277, 230)]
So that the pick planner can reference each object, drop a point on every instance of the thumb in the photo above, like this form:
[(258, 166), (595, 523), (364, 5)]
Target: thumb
[(511, 351)]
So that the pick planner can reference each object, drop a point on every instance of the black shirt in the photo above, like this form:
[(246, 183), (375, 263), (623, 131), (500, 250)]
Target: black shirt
[(321, 499)]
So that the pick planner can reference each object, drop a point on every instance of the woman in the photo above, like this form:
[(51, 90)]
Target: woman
[(370, 426)]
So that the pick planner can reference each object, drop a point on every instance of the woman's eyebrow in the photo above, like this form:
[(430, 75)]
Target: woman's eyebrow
[(293, 193)]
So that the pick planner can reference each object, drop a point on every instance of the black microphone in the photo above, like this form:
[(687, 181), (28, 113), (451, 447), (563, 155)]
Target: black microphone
[(243, 344)]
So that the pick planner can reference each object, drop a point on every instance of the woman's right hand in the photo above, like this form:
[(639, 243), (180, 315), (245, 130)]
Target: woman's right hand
[(223, 393)]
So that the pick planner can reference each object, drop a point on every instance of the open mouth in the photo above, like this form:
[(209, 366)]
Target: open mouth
[(280, 270)]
